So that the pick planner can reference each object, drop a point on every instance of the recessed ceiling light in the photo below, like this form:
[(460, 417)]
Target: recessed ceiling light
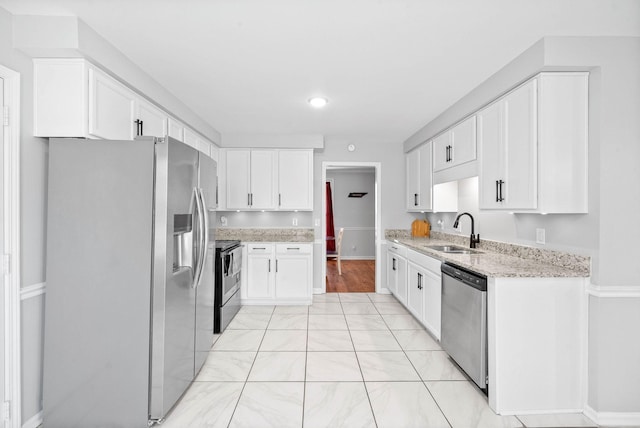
[(318, 102)]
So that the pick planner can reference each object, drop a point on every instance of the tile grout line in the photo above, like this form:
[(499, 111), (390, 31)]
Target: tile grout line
[(306, 355), (416, 370), (250, 369)]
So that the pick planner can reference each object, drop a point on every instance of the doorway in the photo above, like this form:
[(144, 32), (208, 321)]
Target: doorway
[(352, 199)]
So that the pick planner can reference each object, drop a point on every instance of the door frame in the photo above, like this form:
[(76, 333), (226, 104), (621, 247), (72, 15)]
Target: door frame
[(379, 237), (11, 257)]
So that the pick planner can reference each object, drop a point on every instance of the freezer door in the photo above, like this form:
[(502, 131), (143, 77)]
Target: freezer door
[(176, 238), (205, 291)]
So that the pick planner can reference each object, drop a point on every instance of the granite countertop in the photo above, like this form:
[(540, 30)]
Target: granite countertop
[(266, 235), (501, 260)]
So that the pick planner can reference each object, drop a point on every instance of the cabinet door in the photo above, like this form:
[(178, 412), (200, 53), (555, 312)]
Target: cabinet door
[(237, 179), (492, 151), (415, 300), (190, 138), (259, 276), (292, 276), (111, 108), (412, 160), (295, 179), (463, 142), (153, 120), (432, 302), (203, 146), (425, 179), (442, 151), (392, 273), (263, 179), (401, 280), (520, 187), (175, 129)]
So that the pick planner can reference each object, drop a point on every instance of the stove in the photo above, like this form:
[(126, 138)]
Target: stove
[(227, 284)]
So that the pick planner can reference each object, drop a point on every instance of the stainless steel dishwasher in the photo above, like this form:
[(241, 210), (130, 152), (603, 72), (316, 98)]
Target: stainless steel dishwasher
[(464, 320)]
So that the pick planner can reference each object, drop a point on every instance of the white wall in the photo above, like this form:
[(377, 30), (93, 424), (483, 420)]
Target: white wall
[(356, 215), (393, 214), (33, 166)]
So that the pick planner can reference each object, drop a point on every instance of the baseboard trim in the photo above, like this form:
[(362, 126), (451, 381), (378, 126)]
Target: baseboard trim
[(33, 291), (613, 292), (620, 419), (33, 422), (357, 257)]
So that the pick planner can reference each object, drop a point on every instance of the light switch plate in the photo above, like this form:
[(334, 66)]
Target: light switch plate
[(540, 236)]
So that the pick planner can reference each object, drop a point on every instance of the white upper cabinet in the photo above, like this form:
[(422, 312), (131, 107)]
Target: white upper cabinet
[(238, 178), (455, 146), (196, 141), (150, 120), (268, 179), (507, 135), (75, 99), (263, 179), (111, 108), (533, 147), (295, 179), (175, 129), (419, 178), (250, 180), (422, 195)]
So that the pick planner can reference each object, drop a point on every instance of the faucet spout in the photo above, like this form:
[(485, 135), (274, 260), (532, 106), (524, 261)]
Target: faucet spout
[(473, 238)]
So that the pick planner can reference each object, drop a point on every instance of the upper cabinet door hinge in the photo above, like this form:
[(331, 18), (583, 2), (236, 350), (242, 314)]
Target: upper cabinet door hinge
[(5, 115)]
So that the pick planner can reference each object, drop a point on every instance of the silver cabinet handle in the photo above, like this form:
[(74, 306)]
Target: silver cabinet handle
[(269, 265), (293, 248), (276, 265)]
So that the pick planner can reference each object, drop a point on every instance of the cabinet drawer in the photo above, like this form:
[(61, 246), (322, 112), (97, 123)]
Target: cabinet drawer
[(293, 248), (397, 249), (429, 263), (260, 248)]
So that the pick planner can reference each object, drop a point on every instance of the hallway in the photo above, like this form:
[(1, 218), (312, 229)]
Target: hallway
[(358, 276)]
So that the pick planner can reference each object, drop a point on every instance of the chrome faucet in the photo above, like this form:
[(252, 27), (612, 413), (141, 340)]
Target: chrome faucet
[(474, 239)]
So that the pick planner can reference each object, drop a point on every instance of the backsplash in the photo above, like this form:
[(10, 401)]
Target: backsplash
[(575, 262), (266, 234)]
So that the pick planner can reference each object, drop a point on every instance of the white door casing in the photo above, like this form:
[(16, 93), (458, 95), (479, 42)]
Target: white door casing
[(10, 184), (379, 236)]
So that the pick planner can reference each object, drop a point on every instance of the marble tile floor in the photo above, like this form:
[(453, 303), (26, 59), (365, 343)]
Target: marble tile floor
[(348, 360)]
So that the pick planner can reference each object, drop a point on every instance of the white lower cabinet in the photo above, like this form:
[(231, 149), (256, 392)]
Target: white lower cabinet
[(397, 272), (277, 273), (415, 280), (415, 299)]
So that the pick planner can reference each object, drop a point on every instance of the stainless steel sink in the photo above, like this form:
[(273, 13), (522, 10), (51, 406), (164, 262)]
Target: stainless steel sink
[(452, 249)]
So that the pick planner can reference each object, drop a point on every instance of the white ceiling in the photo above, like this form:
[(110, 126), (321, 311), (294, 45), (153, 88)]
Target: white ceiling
[(388, 67)]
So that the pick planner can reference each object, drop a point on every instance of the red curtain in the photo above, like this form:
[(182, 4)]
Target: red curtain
[(331, 233)]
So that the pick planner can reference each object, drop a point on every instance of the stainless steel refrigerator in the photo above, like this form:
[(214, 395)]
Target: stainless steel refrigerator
[(130, 279)]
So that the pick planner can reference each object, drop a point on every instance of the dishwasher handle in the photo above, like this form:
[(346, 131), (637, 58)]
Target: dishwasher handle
[(473, 279)]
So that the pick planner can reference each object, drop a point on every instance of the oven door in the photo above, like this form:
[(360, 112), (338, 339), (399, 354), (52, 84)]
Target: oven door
[(232, 264)]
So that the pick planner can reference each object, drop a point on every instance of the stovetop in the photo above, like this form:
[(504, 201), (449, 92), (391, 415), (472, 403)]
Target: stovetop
[(225, 244)]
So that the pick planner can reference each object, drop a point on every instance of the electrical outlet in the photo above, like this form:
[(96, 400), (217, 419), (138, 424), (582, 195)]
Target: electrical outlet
[(317, 222), (223, 220), (540, 236), (295, 221)]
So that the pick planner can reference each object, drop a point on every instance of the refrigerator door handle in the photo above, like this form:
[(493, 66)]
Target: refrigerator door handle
[(205, 234), (197, 274)]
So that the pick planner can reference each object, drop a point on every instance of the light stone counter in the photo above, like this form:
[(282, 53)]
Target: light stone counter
[(498, 259), (266, 235)]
